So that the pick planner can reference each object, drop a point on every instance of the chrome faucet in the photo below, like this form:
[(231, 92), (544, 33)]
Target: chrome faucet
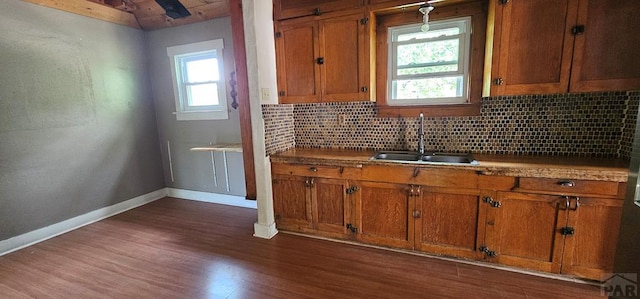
[(421, 135)]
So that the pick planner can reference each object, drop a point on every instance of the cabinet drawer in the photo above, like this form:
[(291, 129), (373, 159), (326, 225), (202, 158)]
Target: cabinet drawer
[(569, 186), (425, 176), (320, 171)]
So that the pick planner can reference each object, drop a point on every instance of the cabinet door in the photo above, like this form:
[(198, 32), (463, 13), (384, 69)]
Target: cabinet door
[(384, 211), (532, 46), (523, 230), (604, 58), (291, 202), (590, 251), (298, 74), (451, 222), (286, 9), (344, 70), (330, 205)]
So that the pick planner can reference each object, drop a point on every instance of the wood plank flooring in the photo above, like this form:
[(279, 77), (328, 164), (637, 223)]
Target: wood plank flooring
[(175, 248)]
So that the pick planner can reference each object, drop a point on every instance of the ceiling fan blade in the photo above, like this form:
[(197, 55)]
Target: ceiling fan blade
[(174, 9)]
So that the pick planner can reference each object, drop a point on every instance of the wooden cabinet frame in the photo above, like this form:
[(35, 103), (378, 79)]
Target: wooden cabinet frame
[(561, 234), (321, 199), (385, 214), (456, 218), (540, 224), (324, 58), (591, 53), (477, 11), (287, 9), (603, 58)]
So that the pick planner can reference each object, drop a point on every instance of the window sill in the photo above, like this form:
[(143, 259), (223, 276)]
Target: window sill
[(202, 115), (472, 109)]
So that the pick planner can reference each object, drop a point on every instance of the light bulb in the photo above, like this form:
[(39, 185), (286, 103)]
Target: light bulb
[(425, 9)]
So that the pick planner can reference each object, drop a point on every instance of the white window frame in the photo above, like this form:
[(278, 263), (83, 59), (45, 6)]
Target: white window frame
[(211, 48), (464, 23)]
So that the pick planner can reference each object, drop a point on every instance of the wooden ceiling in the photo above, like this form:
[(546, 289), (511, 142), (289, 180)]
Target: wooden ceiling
[(141, 14)]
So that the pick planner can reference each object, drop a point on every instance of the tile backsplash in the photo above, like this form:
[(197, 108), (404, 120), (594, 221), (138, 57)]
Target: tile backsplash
[(629, 126), (585, 124), (278, 126)]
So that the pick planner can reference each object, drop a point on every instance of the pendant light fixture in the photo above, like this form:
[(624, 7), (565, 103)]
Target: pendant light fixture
[(425, 9)]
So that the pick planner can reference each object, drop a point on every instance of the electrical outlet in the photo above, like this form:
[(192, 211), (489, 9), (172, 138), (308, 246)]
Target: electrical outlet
[(341, 119), (265, 94)]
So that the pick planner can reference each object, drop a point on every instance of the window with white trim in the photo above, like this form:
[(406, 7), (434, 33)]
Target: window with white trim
[(429, 68), (198, 80)]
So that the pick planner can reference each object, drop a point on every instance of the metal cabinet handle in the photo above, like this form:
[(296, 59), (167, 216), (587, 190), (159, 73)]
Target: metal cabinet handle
[(577, 204), (566, 183), (314, 169)]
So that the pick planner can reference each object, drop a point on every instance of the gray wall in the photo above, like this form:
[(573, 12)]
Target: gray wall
[(77, 123), (194, 170)]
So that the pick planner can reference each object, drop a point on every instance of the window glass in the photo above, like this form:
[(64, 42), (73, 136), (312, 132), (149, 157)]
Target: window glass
[(429, 67), (198, 77), (446, 51), (202, 70), (445, 87), (203, 94)]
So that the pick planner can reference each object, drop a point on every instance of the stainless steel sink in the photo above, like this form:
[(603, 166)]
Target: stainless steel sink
[(426, 158), (448, 158), (398, 156)]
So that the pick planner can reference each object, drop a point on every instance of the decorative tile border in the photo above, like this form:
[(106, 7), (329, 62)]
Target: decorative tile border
[(586, 124), (278, 126)]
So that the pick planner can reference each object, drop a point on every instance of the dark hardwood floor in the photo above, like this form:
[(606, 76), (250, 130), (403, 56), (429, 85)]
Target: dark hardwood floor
[(174, 248)]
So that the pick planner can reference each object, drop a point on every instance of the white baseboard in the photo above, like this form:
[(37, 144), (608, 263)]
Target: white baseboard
[(224, 199), (45, 233)]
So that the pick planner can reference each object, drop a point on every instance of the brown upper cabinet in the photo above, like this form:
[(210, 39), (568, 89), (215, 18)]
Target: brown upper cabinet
[(287, 9), (604, 57), (323, 59), (559, 46)]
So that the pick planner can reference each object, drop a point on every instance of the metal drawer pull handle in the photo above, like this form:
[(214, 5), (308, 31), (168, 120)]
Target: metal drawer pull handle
[(574, 208), (313, 169), (566, 183)]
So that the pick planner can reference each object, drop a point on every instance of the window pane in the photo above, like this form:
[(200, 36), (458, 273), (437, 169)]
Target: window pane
[(203, 70), (428, 34), (446, 87), (203, 94), (428, 69), (428, 52)]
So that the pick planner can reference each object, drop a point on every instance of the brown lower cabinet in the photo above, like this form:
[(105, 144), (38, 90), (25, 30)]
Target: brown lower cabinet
[(590, 251), (384, 214), (450, 221), (553, 233), (312, 205)]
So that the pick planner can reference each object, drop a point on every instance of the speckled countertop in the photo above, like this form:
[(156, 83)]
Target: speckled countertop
[(602, 169)]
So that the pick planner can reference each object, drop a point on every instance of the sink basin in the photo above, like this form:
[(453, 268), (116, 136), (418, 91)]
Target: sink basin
[(398, 156), (426, 158), (448, 158)]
